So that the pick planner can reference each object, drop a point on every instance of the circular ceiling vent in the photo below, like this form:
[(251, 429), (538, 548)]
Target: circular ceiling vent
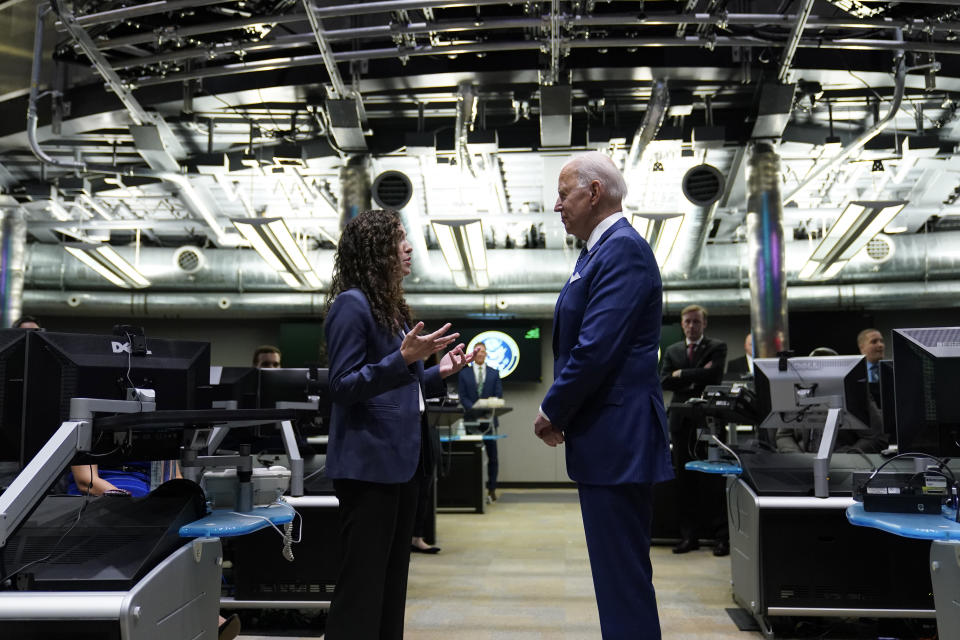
[(703, 185), (188, 259), (880, 248), (392, 190)]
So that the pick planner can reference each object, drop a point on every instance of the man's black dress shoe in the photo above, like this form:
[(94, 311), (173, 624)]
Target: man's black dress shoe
[(687, 544), (430, 550), (722, 548)]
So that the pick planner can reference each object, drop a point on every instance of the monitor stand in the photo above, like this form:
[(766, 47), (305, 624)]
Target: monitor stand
[(821, 462)]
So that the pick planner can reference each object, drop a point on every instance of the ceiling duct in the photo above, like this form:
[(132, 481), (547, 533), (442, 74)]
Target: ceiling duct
[(703, 187), (556, 116), (344, 119), (773, 113), (157, 144), (392, 190), (652, 121)]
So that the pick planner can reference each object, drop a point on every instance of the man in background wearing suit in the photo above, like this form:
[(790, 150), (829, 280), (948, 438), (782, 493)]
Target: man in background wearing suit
[(687, 367), (742, 367), (475, 382), (605, 401)]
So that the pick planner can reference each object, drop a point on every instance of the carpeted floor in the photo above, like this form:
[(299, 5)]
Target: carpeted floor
[(520, 572)]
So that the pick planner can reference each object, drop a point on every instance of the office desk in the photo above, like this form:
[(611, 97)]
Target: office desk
[(462, 484), (795, 555), (943, 531)]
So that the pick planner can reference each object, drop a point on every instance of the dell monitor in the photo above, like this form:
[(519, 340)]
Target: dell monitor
[(798, 392), (925, 389), (12, 348), (63, 366)]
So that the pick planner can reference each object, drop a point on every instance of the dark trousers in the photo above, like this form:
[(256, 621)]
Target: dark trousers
[(424, 508), (616, 521), (693, 487), (376, 524), (493, 464)]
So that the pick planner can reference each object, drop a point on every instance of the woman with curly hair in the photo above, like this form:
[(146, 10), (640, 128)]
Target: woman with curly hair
[(377, 384)]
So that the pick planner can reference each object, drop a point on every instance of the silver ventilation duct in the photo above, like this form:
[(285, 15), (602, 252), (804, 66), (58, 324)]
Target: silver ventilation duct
[(13, 242), (767, 268), (916, 258), (942, 294), (702, 186)]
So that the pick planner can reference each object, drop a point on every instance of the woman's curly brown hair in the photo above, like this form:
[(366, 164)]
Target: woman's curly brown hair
[(367, 258)]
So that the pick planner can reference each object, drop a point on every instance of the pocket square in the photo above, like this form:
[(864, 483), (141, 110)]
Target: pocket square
[(574, 277)]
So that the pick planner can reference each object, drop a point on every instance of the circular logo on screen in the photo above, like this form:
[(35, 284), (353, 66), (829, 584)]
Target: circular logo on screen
[(503, 354)]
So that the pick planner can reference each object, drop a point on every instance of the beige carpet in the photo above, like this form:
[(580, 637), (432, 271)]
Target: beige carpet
[(520, 572)]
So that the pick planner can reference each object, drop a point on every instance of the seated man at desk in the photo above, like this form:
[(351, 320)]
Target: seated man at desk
[(475, 382)]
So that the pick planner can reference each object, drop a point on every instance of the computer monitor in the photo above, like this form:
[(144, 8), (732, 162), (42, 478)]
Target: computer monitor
[(239, 384), (801, 394), (925, 387), (12, 348), (887, 401), (63, 366), (291, 385)]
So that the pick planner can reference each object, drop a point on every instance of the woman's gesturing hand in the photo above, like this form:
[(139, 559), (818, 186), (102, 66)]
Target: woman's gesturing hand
[(455, 360), (417, 347)]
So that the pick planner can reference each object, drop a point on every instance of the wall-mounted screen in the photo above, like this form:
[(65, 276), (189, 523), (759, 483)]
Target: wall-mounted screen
[(513, 347)]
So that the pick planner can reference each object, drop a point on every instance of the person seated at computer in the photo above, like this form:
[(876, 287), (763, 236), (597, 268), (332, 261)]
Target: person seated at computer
[(266, 356), (475, 382), (132, 478), (26, 322), (872, 440)]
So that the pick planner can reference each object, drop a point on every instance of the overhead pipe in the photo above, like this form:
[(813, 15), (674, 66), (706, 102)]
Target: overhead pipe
[(466, 114), (863, 138), (721, 302), (13, 247), (791, 47), (190, 197), (915, 258), (455, 26), (652, 120)]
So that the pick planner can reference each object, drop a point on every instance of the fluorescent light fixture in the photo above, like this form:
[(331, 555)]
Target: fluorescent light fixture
[(271, 238), (660, 230), (109, 264), (856, 226), (461, 243)]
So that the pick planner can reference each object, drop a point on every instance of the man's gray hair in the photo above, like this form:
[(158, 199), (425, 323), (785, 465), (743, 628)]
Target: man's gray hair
[(596, 165)]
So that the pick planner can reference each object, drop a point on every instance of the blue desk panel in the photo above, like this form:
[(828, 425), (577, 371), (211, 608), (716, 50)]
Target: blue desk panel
[(940, 526), (721, 467), (223, 523)]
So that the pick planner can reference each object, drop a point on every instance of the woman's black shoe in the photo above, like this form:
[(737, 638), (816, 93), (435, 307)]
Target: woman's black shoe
[(686, 545)]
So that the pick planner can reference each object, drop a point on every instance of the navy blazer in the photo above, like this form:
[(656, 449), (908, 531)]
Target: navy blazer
[(467, 388), (375, 417), (606, 394)]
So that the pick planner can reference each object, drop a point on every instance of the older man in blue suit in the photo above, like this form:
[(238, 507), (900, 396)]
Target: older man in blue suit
[(475, 382), (605, 402)]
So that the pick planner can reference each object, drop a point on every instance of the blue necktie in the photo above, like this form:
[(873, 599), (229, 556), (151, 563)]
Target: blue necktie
[(872, 372), (580, 259)]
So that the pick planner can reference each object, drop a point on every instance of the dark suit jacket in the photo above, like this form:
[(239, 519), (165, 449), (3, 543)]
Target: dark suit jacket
[(605, 394), (375, 417), (737, 367), (467, 389), (693, 377)]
